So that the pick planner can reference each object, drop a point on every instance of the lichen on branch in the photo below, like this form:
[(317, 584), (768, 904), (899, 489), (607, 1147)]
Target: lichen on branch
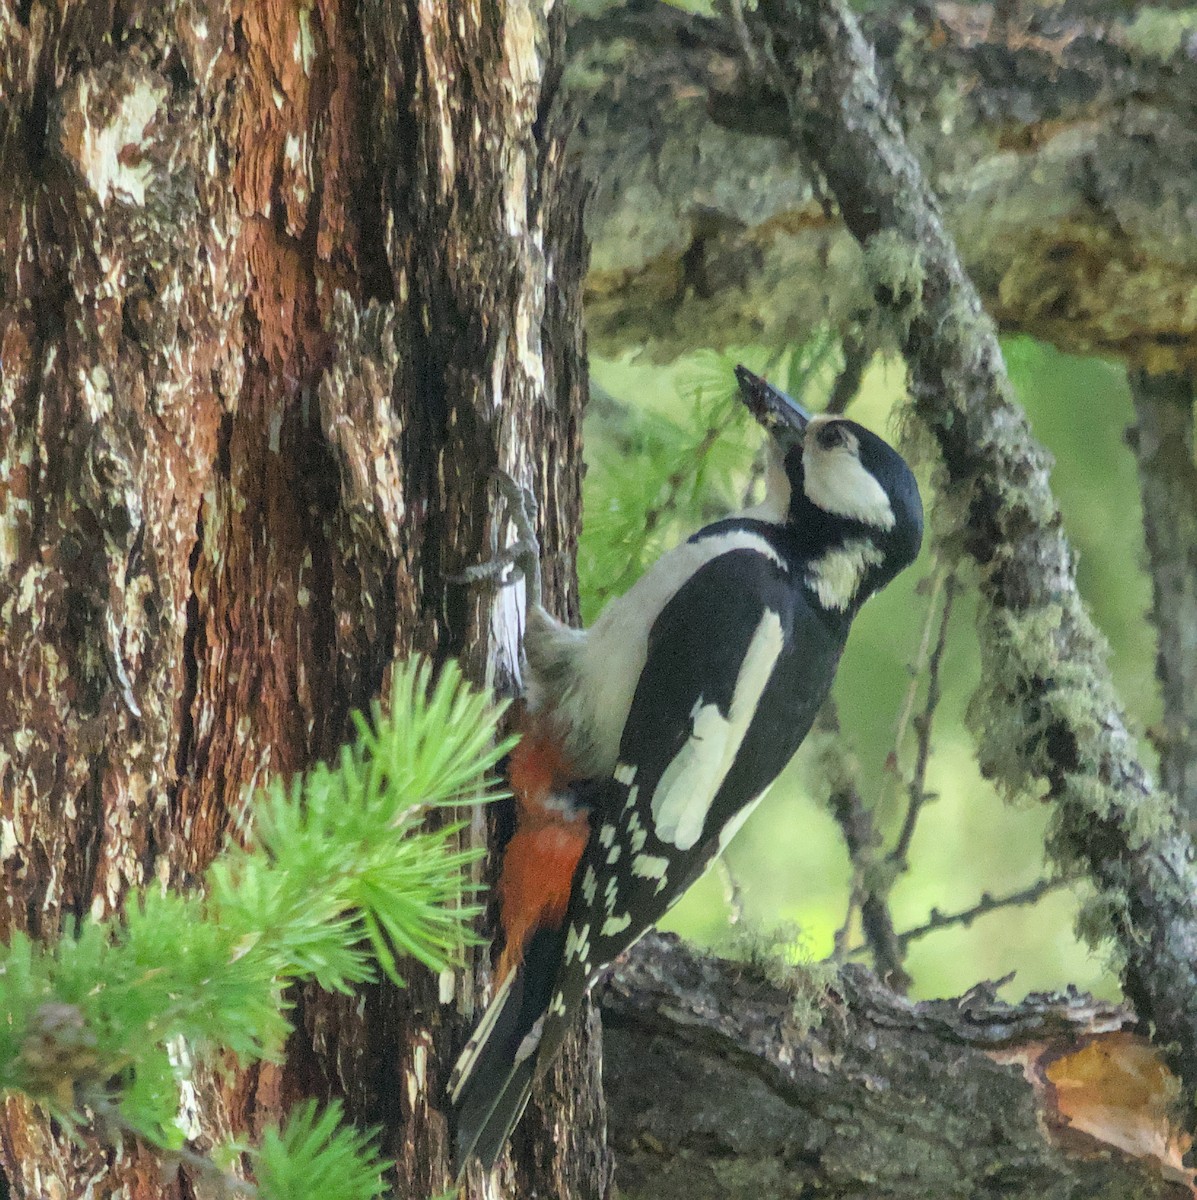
[(1048, 719)]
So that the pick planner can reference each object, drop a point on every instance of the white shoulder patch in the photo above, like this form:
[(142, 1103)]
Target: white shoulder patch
[(837, 482), (589, 678), (688, 786), (835, 577)]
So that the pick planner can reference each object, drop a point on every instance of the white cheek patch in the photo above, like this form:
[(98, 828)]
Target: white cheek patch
[(835, 577), (837, 482), (688, 786)]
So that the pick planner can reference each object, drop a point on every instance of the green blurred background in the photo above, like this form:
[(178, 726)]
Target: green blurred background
[(653, 450)]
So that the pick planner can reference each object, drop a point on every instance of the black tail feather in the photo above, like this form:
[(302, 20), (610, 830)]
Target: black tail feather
[(485, 1120), (494, 1076)]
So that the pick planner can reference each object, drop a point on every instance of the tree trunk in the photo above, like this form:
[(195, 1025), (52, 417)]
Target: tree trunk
[(282, 283)]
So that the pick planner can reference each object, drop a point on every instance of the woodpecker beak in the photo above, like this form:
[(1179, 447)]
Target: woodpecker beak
[(782, 416)]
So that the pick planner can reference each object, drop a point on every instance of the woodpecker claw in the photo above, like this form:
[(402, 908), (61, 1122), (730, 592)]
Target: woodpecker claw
[(524, 553)]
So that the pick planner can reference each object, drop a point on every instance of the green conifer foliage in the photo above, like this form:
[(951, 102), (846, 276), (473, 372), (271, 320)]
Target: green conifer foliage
[(341, 875)]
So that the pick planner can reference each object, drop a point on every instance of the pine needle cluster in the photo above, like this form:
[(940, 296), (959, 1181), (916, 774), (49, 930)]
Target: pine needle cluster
[(342, 874)]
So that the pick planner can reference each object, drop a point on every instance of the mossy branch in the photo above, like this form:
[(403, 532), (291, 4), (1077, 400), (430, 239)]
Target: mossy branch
[(1047, 717)]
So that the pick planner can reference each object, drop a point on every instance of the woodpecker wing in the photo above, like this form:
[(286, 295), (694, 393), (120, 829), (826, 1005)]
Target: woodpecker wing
[(738, 663)]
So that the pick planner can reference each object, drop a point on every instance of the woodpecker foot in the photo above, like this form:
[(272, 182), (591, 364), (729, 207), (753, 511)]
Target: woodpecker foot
[(522, 557)]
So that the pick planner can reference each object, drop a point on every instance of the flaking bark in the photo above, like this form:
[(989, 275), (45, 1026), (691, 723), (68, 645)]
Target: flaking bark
[(279, 285), (720, 1085)]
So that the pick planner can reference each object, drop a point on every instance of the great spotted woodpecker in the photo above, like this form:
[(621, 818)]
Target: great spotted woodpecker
[(653, 734)]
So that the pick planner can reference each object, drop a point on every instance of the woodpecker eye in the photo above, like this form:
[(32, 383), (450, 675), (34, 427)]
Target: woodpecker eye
[(831, 436)]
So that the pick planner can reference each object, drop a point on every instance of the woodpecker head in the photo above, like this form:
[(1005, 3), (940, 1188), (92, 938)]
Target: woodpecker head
[(848, 495)]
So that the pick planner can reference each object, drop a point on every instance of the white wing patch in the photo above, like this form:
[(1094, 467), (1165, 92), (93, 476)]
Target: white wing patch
[(614, 925), (577, 943), (835, 577), (838, 482), (531, 1040), (636, 831), (589, 678), (688, 786), (652, 866)]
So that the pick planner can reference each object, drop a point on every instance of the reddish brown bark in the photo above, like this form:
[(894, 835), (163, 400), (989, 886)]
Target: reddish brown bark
[(280, 285)]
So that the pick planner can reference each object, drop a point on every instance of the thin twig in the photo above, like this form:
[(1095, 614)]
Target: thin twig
[(734, 10), (986, 904), (869, 893), (923, 723), (693, 459), (916, 669), (847, 382), (839, 942)]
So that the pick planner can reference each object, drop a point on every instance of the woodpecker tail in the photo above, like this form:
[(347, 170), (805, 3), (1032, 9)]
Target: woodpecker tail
[(493, 1078)]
